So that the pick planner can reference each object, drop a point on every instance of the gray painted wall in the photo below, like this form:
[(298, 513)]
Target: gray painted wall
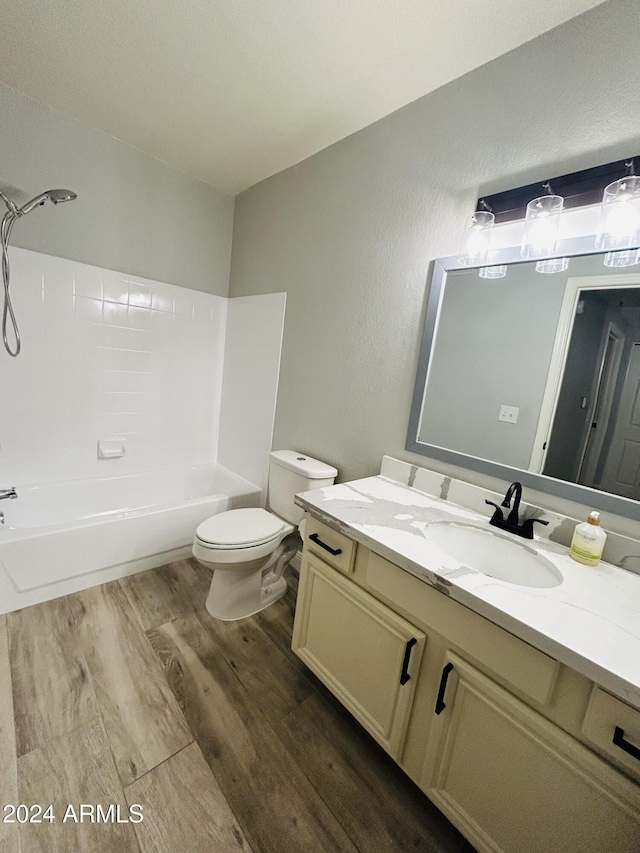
[(349, 233), (134, 214)]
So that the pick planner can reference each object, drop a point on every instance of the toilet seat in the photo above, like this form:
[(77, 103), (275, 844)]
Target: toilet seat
[(237, 529)]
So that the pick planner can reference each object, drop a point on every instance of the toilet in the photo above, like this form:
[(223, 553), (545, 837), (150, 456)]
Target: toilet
[(249, 549)]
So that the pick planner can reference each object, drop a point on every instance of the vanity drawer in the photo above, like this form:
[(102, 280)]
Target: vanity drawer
[(614, 727), (520, 665), (335, 549)]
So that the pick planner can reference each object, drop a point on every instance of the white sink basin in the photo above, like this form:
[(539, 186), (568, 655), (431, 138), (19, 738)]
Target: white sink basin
[(493, 554)]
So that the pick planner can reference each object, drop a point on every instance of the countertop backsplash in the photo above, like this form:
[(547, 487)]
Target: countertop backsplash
[(619, 550)]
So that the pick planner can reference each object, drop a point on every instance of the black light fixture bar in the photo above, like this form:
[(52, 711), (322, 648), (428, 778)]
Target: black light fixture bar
[(578, 190)]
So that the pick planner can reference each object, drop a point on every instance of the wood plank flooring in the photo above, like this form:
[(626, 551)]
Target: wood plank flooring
[(73, 769), (52, 691), (130, 693), (9, 840), (186, 810), (140, 713)]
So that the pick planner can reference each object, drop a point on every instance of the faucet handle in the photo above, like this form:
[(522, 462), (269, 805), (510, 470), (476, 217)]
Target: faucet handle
[(497, 515), (527, 526)]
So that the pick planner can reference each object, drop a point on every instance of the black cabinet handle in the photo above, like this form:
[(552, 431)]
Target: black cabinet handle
[(619, 740), (404, 675), (440, 706), (333, 551)]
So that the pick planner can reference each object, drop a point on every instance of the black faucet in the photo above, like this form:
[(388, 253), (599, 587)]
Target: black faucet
[(512, 523)]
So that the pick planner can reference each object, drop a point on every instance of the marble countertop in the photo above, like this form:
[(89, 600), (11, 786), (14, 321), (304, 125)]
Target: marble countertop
[(590, 622)]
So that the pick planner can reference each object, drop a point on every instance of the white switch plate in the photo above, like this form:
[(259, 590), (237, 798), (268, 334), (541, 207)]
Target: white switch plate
[(509, 414)]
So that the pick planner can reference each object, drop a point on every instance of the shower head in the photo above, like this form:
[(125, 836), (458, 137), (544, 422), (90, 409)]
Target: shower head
[(6, 226), (56, 196)]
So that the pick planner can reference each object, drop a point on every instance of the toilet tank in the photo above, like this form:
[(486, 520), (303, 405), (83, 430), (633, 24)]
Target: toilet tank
[(291, 472)]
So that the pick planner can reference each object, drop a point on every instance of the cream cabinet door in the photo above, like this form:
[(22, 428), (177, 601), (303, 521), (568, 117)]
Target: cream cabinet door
[(513, 782), (366, 654)]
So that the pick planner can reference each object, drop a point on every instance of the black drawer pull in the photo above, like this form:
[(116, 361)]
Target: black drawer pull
[(618, 739), (333, 551), (440, 706), (404, 675)]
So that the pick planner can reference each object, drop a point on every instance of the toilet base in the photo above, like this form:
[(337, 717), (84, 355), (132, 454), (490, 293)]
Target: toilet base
[(231, 597)]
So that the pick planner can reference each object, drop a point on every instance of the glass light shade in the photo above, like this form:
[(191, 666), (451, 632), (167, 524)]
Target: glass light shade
[(476, 238), (552, 265), (622, 259), (620, 215), (541, 225), (493, 272)]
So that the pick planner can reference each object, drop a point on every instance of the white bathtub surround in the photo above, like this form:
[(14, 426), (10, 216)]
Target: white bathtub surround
[(590, 622), (110, 421), (107, 357), (255, 327), (62, 537)]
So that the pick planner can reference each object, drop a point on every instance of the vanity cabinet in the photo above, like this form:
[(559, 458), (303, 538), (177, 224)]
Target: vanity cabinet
[(495, 732), (366, 654), (513, 781)]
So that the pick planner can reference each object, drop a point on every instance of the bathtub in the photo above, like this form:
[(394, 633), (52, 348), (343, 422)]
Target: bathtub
[(84, 532)]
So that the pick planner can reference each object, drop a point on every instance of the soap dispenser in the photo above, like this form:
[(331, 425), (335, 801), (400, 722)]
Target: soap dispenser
[(588, 540)]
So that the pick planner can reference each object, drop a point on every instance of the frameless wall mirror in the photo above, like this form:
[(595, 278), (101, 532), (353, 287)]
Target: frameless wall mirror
[(535, 376)]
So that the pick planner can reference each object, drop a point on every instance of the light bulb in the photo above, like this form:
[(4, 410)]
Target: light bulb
[(622, 221), (541, 225), (476, 238), (620, 215)]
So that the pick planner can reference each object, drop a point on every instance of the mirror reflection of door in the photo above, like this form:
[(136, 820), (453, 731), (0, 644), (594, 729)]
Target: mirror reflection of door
[(595, 438), (603, 404), (622, 469)]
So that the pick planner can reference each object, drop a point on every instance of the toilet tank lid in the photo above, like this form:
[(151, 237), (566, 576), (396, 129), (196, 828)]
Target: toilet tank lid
[(303, 464)]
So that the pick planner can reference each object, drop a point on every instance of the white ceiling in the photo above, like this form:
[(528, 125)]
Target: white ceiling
[(232, 91)]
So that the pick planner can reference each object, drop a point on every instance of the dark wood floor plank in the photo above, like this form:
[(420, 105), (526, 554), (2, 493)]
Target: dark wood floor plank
[(52, 691), (277, 620), (69, 770), (160, 595), (275, 805), (347, 768), (273, 682), (9, 838), (142, 718), (184, 809)]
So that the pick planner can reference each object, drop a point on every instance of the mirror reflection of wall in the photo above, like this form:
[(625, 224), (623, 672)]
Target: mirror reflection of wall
[(490, 388), (493, 347)]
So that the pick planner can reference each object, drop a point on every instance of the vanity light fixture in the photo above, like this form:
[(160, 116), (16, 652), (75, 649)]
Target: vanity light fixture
[(541, 224), (493, 272), (619, 226), (476, 236), (552, 265), (628, 258)]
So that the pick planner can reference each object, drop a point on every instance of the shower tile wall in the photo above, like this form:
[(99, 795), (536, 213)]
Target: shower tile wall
[(107, 356)]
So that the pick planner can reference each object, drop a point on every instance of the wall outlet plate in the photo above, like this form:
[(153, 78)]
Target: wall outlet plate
[(509, 414)]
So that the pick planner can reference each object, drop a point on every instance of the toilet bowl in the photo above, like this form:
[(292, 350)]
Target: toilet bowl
[(249, 549)]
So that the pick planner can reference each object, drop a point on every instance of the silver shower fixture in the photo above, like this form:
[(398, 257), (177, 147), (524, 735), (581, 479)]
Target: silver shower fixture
[(8, 221)]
